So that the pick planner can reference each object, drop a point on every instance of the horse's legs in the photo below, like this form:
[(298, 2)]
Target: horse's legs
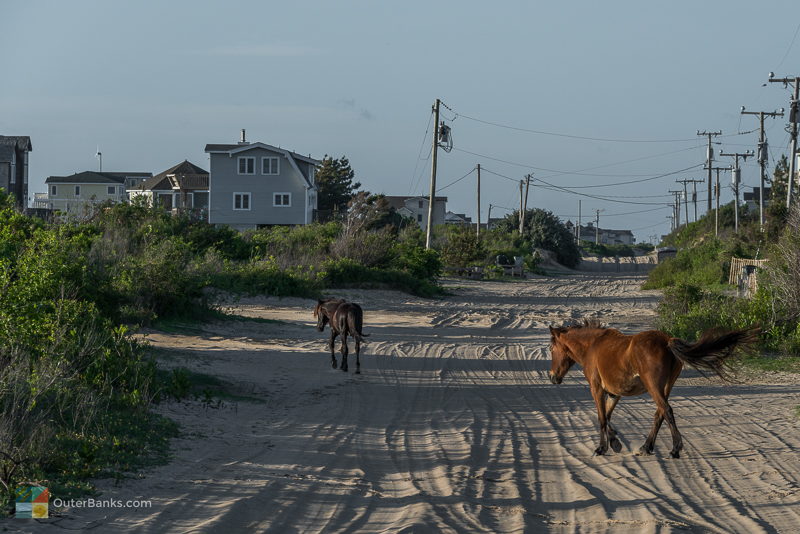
[(343, 367), (664, 411), (358, 355), (649, 443), (613, 441), (333, 348), (600, 401)]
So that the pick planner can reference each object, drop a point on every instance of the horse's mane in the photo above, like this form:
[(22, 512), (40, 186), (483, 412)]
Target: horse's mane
[(591, 322)]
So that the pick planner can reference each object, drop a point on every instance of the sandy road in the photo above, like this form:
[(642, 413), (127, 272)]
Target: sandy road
[(453, 426)]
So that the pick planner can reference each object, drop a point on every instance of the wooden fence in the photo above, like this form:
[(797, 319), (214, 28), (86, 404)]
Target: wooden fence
[(743, 275)]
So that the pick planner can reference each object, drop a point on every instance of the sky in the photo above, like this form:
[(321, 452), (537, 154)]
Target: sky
[(581, 94)]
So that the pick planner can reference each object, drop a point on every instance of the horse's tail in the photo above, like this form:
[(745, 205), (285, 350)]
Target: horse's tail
[(711, 351), (358, 323)]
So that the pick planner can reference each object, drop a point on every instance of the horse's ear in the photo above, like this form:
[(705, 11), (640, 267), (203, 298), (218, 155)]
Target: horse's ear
[(555, 332)]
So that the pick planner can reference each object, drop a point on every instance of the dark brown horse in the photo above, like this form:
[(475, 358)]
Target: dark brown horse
[(323, 311), (617, 365), (348, 320)]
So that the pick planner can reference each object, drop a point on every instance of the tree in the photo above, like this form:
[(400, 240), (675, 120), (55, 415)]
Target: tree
[(335, 184), (545, 230)]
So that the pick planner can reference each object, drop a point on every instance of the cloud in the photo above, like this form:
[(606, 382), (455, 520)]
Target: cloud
[(350, 104), (265, 50)]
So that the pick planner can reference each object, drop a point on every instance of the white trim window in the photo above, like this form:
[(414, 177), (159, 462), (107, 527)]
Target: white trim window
[(282, 200), (53, 190), (247, 165), (241, 201), (270, 166), (77, 190)]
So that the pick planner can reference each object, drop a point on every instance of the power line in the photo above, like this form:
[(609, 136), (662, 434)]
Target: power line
[(615, 183), (455, 181), (790, 47), (571, 136), (581, 171), (415, 182)]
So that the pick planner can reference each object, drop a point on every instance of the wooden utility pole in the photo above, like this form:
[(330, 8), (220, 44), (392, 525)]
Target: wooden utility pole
[(527, 186), (478, 222), (716, 195), (597, 227), (432, 199), (685, 198), (736, 178), (763, 156), (676, 208), (521, 213), (579, 222), (489, 217), (694, 196), (709, 159), (794, 118)]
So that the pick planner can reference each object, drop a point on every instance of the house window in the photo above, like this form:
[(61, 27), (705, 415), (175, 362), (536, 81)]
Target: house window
[(247, 165), (282, 200), (53, 190), (77, 190), (111, 189), (419, 217), (241, 201), (270, 166), (420, 203)]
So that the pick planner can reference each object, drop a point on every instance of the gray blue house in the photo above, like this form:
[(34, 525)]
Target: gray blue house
[(252, 185), (14, 151)]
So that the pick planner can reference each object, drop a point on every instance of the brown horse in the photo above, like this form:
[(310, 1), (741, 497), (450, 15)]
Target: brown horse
[(323, 311), (348, 320), (618, 365)]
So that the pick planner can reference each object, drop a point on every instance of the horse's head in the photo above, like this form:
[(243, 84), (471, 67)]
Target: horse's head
[(561, 355)]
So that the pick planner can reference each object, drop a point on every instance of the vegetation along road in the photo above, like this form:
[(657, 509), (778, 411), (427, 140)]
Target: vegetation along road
[(453, 426)]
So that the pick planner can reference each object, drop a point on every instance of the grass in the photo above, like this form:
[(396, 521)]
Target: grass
[(180, 383), (785, 364), (122, 443)]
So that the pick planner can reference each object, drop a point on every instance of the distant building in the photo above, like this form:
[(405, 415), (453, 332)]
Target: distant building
[(14, 151), (416, 207), (607, 237), (459, 219), (76, 195), (751, 198), (183, 187), (252, 185)]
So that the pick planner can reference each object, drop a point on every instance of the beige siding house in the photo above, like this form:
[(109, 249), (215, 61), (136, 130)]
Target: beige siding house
[(417, 208), (77, 195)]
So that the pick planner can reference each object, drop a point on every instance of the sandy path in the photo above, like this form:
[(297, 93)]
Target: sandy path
[(453, 426)]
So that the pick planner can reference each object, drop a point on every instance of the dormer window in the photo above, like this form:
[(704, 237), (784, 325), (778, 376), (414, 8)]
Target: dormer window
[(247, 165), (270, 166)]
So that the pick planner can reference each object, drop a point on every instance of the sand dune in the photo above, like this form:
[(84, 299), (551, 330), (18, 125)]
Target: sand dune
[(453, 426)]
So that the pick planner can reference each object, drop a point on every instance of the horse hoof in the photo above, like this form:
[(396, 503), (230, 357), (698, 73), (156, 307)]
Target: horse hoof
[(675, 454), (600, 451), (358, 372), (616, 446), (644, 451), (334, 365)]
